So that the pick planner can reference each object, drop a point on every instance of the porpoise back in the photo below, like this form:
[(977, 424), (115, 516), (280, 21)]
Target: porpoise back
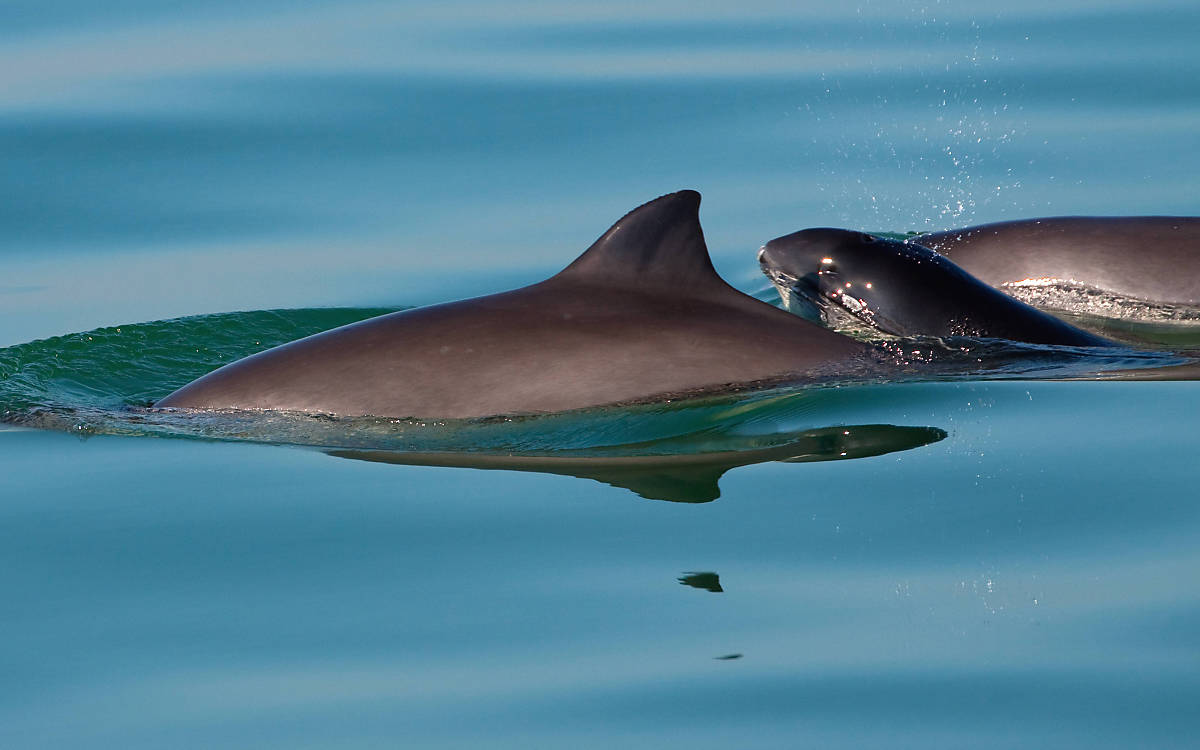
[(640, 315), (1154, 258)]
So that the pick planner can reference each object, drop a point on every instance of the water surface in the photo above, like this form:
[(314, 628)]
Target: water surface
[(1013, 567)]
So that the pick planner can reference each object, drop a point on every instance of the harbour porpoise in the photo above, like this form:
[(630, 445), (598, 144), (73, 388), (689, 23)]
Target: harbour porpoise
[(1154, 258), (640, 315), (905, 289)]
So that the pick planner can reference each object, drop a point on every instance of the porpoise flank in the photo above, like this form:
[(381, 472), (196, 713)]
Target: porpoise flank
[(1155, 258), (641, 315)]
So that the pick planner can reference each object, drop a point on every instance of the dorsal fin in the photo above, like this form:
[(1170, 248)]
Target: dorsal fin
[(657, 244)]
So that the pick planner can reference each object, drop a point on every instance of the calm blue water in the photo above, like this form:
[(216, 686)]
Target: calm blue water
[(992, 563)]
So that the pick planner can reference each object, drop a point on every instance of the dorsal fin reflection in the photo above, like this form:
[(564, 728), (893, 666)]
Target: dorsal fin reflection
[(684, 477)]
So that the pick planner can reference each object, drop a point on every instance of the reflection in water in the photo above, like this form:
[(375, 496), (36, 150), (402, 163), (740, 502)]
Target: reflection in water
[(707, 581), (98, 382), (682, 477), (1187, 371), (1175, 335)]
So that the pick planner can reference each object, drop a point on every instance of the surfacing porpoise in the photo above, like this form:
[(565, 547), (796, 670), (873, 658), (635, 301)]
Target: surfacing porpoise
[(641, 315), (905, 289), (1154, 258)]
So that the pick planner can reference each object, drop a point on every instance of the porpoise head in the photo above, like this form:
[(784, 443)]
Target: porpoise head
[(883, 282)]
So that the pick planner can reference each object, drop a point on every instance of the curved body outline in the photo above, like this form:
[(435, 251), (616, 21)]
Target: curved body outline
[(906, 289), (640, 315), (1155, 258)]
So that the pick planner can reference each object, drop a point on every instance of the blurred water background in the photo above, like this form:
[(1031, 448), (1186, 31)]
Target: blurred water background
[(1019, 572)]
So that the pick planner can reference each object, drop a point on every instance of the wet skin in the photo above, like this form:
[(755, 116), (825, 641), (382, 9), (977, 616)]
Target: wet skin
[(1154, 258), (905, 289), (641, 315)]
